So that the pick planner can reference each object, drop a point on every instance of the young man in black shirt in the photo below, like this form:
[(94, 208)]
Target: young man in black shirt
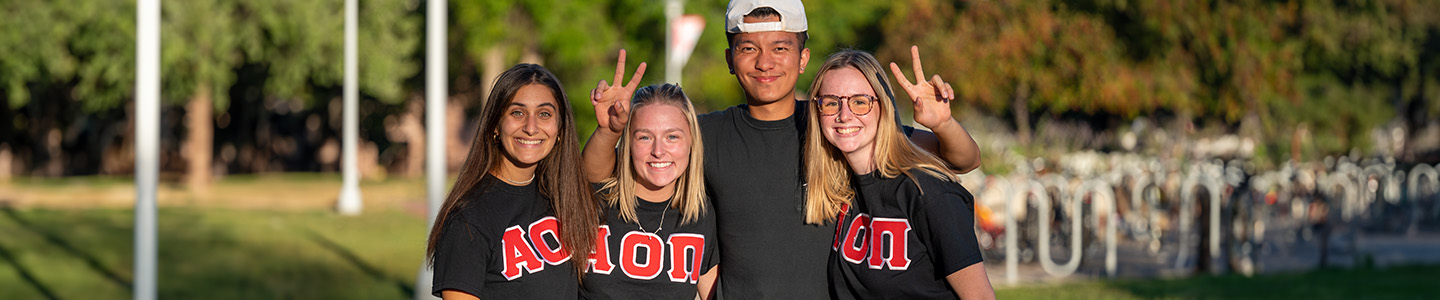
[(752, 155)]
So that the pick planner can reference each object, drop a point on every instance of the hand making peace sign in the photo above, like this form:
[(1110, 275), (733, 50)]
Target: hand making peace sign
[(931, 98), (612, 101)]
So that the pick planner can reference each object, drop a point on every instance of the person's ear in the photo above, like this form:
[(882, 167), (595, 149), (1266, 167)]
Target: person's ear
[(804, 59), (730, 60)]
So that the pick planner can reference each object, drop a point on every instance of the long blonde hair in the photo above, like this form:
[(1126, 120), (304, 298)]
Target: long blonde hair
[(827, 173), (690, 190)]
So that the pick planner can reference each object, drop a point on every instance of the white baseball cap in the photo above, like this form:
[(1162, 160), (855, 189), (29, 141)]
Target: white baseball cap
[(792, 16)]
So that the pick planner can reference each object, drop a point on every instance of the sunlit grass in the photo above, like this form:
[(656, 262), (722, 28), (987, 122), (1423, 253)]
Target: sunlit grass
[(213, 254)]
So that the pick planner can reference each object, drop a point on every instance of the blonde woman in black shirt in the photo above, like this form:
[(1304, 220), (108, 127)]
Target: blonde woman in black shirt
[(905, 225), (658, 239)]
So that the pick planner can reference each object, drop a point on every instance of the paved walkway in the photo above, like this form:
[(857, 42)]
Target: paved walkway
[(1295, 253)]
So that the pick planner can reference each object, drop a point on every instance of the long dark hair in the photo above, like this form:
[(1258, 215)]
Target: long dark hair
[(559, 181)]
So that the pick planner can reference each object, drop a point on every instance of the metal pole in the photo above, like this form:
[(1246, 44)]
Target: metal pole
[(1215, 190), (1106, 193), (350, 203), (436, 94), (1012, 229), (147, 142), (673, 9)]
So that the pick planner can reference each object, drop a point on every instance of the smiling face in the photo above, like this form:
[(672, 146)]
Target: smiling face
[(767, 64), (660, 138), (852, 134), (529, 126)]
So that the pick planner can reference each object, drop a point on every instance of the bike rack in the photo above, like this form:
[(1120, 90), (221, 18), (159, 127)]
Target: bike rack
[(1414, 189), (1102, 191), (1344, 182), (1075, 236), (1187, 200)]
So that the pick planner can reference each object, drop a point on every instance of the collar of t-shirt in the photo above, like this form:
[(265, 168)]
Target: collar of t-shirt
[(495, 184), (868, 179), (788, 122), (648, 206)]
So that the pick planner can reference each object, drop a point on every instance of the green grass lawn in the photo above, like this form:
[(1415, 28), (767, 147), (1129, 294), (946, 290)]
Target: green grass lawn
[(212, 254), (251, 254)]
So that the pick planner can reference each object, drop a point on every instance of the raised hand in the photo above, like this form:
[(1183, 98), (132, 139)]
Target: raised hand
[(612, 101), (931, 98)]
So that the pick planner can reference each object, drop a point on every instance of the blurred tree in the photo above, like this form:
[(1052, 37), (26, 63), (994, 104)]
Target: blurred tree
[(298, 43), (1361, 56), (1244, 56), (202, 42), (69, 66), (1034, 56), (573, 39), (57, 42)]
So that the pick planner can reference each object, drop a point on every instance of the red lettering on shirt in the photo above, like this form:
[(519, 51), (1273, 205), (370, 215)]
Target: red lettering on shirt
[(891, 251), (629, 252), (518, 254), (600, 257), (681, 246), (538, 230), (839, 218), (857, 244)]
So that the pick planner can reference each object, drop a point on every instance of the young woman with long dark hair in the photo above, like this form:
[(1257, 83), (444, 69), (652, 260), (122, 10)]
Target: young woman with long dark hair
[(520, 220)]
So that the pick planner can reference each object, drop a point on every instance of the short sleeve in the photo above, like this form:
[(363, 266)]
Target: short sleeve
[(461, 257), (950, 217)]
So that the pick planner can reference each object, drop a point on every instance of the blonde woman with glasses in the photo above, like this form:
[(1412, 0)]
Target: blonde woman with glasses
[(905, 225)]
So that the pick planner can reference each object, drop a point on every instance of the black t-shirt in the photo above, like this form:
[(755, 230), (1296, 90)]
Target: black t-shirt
[(752, 169), (753, 174), (896, 243), (504, 245), (630, 269)]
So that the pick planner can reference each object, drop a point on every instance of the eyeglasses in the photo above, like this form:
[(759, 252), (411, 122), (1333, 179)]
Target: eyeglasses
[(859, 104)]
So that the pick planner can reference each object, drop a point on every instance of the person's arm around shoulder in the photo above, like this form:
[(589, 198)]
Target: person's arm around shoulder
[(932, 99), (612, 112)]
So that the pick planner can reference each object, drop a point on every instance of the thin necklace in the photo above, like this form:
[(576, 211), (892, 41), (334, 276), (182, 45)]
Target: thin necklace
[(662, 220), (517, 183)]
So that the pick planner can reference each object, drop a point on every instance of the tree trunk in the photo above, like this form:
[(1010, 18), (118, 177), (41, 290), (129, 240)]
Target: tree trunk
[(6, 137), (199, 139), (492, 65), (1020, 104), (457, 142), (1415, 114), (1299, 139), (532, 56), (411, 130)]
